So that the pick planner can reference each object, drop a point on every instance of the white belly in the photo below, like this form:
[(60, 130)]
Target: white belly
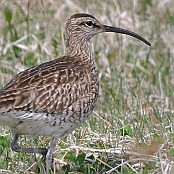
[(40, 123)]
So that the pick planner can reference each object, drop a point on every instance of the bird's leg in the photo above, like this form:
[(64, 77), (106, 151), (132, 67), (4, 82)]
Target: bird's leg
[(49, 155), (17, 148)]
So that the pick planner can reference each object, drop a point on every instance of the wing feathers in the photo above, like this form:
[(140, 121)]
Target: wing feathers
[(50, 87)]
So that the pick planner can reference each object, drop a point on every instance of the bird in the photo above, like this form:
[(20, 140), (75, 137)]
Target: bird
[(54, 98)]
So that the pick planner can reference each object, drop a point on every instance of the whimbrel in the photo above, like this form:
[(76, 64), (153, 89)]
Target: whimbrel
[(55, 97)]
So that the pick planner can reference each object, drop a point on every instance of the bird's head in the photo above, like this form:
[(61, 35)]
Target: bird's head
[(85, 26)]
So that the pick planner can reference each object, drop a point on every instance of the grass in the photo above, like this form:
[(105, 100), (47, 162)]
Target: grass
[(132, 127)]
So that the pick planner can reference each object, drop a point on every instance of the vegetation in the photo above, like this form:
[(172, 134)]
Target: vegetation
[(132, 127)]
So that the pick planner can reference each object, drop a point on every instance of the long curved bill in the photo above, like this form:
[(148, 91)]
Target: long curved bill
[(123, 31)]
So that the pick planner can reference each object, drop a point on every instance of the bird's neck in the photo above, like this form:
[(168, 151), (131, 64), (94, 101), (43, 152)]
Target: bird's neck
[(80, 49)]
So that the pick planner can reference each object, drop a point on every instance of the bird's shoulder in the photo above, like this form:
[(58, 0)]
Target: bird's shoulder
[(60, 71)]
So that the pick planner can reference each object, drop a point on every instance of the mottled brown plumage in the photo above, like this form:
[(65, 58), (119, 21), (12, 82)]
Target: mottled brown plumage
[(55, 97)]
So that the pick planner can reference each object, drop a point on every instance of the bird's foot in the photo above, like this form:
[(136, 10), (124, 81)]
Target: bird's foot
[(15, 147)]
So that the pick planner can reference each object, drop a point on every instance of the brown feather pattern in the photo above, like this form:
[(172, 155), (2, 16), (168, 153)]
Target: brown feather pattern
[(64, 87)]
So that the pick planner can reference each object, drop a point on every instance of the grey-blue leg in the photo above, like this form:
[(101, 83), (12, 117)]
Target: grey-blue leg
[(17, 148), (49, 155)]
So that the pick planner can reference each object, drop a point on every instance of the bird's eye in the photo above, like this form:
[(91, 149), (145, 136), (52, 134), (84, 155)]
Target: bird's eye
[(89, 23)]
